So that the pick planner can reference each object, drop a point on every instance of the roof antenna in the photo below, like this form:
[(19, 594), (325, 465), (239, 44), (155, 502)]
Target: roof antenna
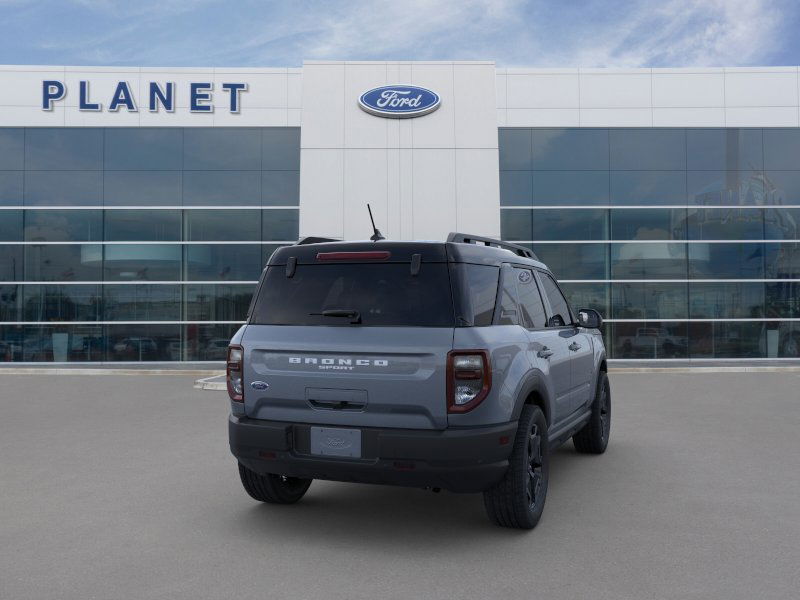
[(377, 235)]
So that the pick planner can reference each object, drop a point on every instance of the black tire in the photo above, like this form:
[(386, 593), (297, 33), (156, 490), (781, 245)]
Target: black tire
[(275, 489), (518, 500), (593, 438)]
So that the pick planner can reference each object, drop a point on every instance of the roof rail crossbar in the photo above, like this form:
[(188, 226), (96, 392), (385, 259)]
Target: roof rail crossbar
[(466, 238), (315, 240)]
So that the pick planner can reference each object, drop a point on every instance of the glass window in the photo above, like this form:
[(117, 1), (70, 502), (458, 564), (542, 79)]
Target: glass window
[(63, 188), (142, 188), (218, 302), (12, 148), (11, 339), (783, 299), (583, 224), (146, 262), (10, 225), (575, 261), (475, 293), (726, 261), (783, 187), (650, 339), (514, 149), (648, 261), (143, 148), (730, 188), (142, 302), (221, 148), (723, 149), (280, 148), (516, 188), (384, 295), (648, 224), (62, 303), (726, 223), (530, 300), (222, 225), (781, 223), (727, 340), (648, 149), (10, 309), (208, 342), (509, 314), (11, 193), (783, 340), (562, 188), (782, 261), (637, 300), (11, 263), (67, 262), (280, 188), (560, 313), (648, 187), (221, 188), (587, 295), (726, 300), (280, 224), (63, 225), (782, 148), (62, 343), (142, 225), (143, 342), (570, 149), (516, 224), (233, 262), (63, 148)]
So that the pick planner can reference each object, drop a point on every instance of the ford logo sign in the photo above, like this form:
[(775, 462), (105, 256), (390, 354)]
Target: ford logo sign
[(259, 385), (399, 101)]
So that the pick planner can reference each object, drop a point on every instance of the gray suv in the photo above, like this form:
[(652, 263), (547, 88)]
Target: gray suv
[(456, 365)]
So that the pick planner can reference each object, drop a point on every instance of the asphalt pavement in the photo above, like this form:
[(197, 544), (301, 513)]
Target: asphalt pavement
[(122, 486)]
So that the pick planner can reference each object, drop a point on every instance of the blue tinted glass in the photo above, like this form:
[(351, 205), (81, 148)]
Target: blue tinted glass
[(142, 302), (729, 188), (726, 300), (782, 261), (515, 149), (208, 342), (782, 148), (142, 188), (648, 261), (516, 224), (63, 188), (570, 149), (648, 149), (142, 225), (62, 343), (516, 188), (726, 224), (280, 188), (783, 340), (65, 148), (12, 148), (724, 149), (143, 148), (280, 224), (726, 261), (143, 342), (783, 187), (146, 262), (218, 302), (10, 310), (11, 265), (67, 262), (650, 339), (11, 188), (648, 187), (648, 224), (62, 303), (583, 224), (232, 262), (587, 295), (63, 225), (221, 148), (557, 188), (638, 300), (10, 225), (221, 188), (222, 225), (280, 147), (727, 340), (783, 299), (575, 261)]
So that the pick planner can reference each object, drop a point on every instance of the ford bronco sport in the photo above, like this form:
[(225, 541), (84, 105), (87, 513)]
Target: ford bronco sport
[(456, 365)]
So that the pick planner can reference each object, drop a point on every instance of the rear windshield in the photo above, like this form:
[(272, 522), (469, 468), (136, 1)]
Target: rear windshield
[(384, 295)]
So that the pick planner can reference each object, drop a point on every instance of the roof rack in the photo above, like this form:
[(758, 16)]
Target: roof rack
[(466, 238), (315, 240)]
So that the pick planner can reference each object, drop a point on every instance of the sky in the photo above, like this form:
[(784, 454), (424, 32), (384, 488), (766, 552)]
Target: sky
[(565, 33)]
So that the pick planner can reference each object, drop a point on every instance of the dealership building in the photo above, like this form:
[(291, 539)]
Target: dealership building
[(138, 206)]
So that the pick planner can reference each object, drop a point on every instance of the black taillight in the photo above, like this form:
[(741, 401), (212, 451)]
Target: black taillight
[(233, 373), (469, 379)]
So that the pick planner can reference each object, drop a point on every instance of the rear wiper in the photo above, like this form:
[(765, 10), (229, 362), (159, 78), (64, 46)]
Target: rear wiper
[(353, 315)]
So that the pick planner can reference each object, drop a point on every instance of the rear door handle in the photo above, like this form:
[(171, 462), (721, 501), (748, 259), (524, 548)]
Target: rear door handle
[(574, 346), (545, 352)]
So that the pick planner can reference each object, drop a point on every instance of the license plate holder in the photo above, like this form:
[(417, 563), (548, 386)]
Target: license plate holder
[(335, 441)]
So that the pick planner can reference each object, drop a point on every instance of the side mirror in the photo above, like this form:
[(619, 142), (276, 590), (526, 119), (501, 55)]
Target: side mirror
[(589, 318)]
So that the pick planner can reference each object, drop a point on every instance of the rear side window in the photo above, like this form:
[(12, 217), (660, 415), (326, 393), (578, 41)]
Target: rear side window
[(557, 301), (508, 299), (530, 301), (476, 289), (384, 294)]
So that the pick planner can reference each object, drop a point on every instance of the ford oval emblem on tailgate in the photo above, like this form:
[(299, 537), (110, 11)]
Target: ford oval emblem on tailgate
[(259, 385)]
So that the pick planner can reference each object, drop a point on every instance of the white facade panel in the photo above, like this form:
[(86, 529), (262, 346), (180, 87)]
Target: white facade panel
[(542, 117), (624, 90), (438, 129), (474, 94), (689, 117), (433, 208), (616, 117), (759, 89), (475, 182), (362, 130), (771, 116), (326, 189), (543, 90), (689, 90)]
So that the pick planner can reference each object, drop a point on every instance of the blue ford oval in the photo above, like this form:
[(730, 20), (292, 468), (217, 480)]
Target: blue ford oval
[(399, 101)]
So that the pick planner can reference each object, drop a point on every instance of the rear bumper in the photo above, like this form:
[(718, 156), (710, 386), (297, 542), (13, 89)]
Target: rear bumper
[(459, 460)]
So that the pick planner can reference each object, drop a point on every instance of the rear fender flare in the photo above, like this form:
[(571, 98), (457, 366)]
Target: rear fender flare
[(534, 381)]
